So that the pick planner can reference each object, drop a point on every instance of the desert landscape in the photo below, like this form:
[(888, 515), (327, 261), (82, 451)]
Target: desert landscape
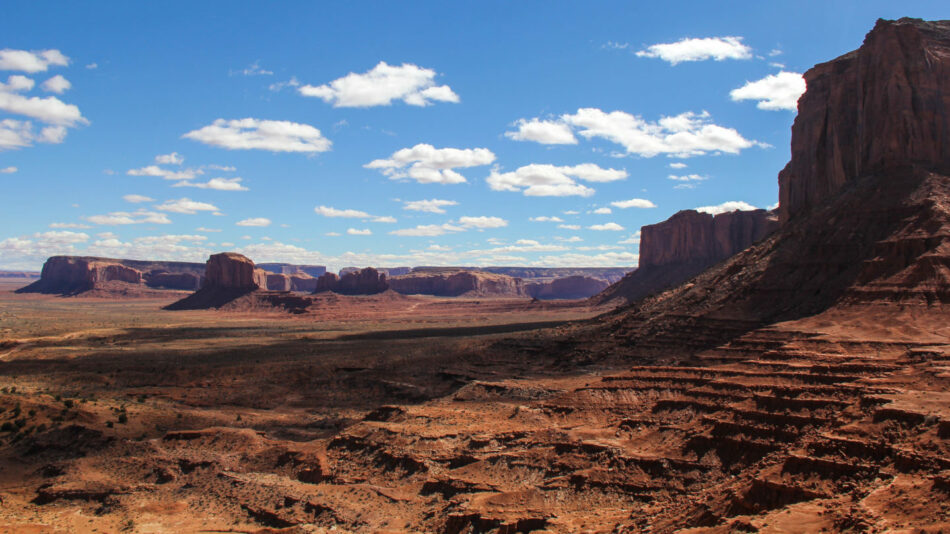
[(760, 370)]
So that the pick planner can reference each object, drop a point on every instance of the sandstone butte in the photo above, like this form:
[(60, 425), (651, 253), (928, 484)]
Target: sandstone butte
[(367, 281), (77, 274), (227, 276)]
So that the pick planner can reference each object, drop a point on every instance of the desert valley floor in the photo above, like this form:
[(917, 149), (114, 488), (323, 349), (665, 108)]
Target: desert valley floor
[(142, 420)]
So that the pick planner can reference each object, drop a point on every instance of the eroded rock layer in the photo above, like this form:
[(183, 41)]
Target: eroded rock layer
[(70, 275), (367, 281)]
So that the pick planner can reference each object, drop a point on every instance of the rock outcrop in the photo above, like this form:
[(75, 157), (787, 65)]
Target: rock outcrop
[(366, 281), (73, 275), (291, 269), (874, 110), (278, 282), (866, 201), (684, 245), (299, 282), (458, 283), (569, 287), (228, 276)]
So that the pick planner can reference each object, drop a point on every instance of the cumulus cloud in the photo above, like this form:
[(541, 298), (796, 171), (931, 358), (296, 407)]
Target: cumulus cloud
[(155, 170), (633, 239), (203, 229), (327, 211), (569, 226), (542, 131), (725, 207), (608, 227), (684, 135), (633, 203), (8, 170), (677, 165), (434, 205), (31, 61), (774, 92), (260, 134), (427, 230), (170, 159), (254, 221), (686, 178), (137, 199), (218, 184), (254, 69), (69, 225), (607, 259), (186, 206), (550, 180), (482, 222), (141, 216), (57, 84), (692, 49), (381, 85), (17, 83), (602, 211), (355, 231), (429, 165), (545, 218)]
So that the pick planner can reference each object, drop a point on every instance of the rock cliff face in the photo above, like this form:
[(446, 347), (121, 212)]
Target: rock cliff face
[(366, 281), (684, 245), (569, 287), (278, 282), (291, 269), (230, 270), (291, 282), (865, 198), (879, 108), (454, 284), (70, 275)]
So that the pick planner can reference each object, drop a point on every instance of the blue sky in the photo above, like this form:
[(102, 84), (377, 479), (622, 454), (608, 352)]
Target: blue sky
[(383, 133)]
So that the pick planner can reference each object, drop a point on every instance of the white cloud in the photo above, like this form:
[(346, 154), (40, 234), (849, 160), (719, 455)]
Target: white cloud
[(249, 134), (633, 239), (550, 180), (572, 239), (384, 219), (344, 213), (137, 199), (15, 134), (609, 227), (155, 170), (381, 85), (332, 234), (602, 211), (427, 230), (254, 221), (355, 231), (614, 45), (633, 203), (686, 178), (170, 159), (428, 206), (218, 184), (92, 66), (8, 170), (278, 86), (545, 218), (254, 69), (427, 164), (17, 83), (57, 84), (692, 49), (141, 216), (684, 135), (186, 206), (571, 212), (677, 165), (31, 61), (50, 110), (69, 225), (203, 229), (607, 259), (544, 132), (725, 207), (774, 92), (482, 222), (569, 226), (223, 168)]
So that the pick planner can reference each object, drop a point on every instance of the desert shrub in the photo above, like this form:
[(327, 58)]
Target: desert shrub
[(7, 426), (69, 403), (123, 418)]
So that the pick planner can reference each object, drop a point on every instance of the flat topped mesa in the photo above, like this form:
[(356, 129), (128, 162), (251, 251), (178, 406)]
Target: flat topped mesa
[(878, 108), (230, 270)]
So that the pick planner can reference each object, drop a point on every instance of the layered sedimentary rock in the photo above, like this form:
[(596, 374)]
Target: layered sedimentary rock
[(299, 282), (291, 269), (457, 283), (227, 276), (538, 274), (71, 275), (879, 108), (366, 281), (684, 245), (569, 287), (278, 282)]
